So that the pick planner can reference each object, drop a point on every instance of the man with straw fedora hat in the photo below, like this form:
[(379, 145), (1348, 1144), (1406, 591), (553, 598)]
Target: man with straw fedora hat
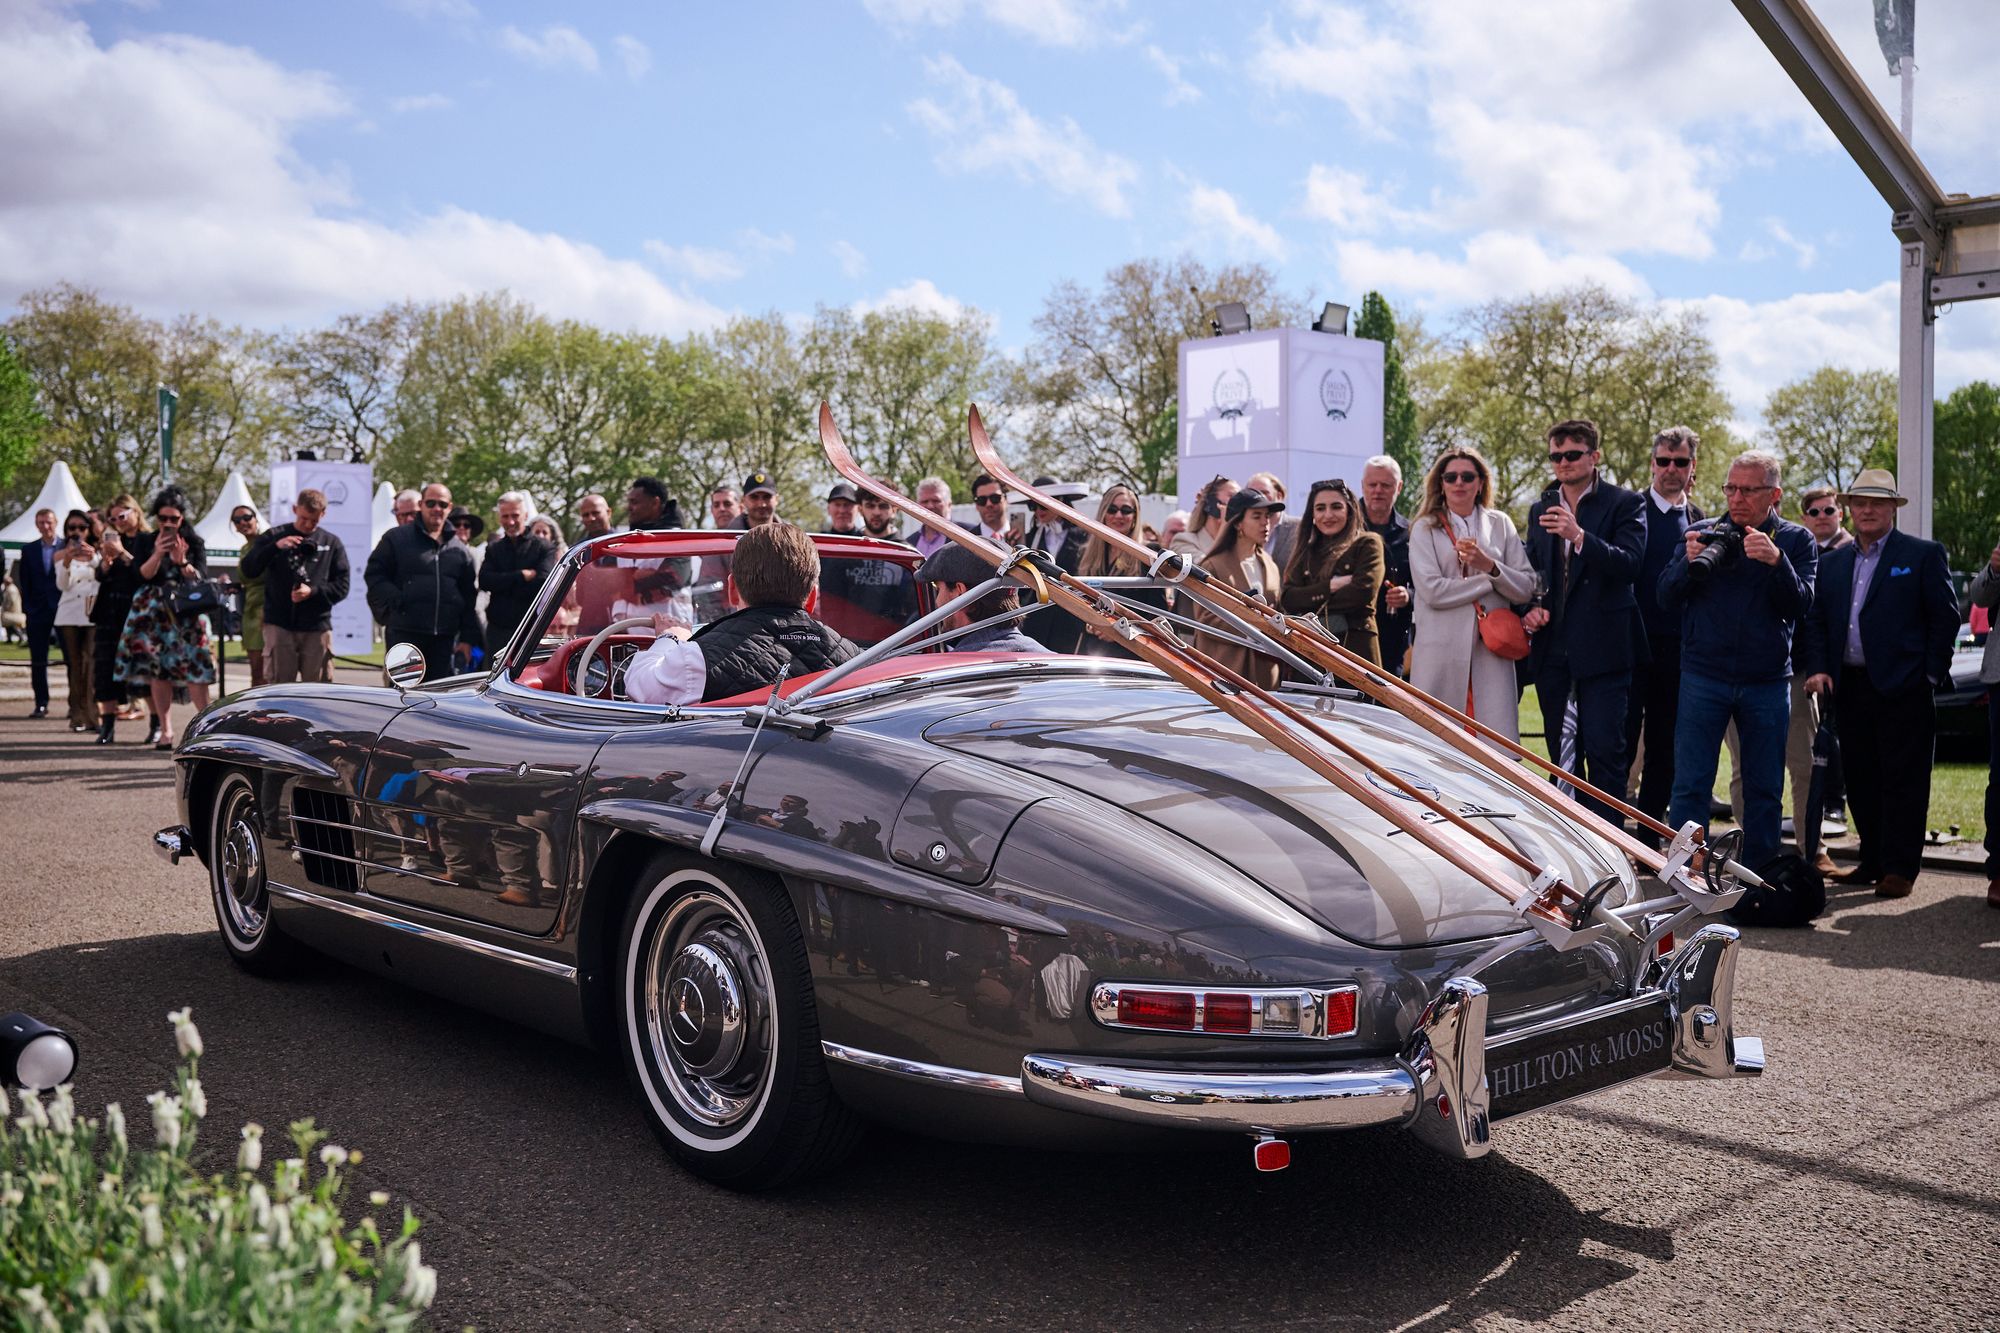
[(1879, 637)]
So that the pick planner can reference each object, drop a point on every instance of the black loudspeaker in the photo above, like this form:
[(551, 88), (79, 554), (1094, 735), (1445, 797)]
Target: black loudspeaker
[(1792, 894)]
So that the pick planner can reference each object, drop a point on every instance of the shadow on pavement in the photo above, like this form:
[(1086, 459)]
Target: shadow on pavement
[(1953, 936), (547, 1203)]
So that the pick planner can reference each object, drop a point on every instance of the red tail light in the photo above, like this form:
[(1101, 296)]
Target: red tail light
[(1157, 1009), (1226, 1013), (1666, 946), (1340, 1013)]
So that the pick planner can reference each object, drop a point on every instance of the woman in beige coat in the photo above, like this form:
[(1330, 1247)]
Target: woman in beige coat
[(1465, 554), (1238, 559)]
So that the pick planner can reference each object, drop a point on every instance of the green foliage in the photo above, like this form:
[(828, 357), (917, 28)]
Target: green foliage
[(1832, 423), (1519, 366), (1965, 474), (97, 1234), (21, 422), (1401, 437)]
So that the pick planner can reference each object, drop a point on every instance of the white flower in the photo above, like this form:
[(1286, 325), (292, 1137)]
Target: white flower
[(97, 1279), (420, 1283), (286, 1178), (327, 1258), (6, 1107), (378, 1198), (156, 1290), (166, 1120), (333, 1155), (283, 1217), (36, 1113), (114, 1120), (197, 1100), (34, 1303), (149, 1224), (95, 1322), (260, 1206), (186, 1035), (251, 1155), (11, 1197)]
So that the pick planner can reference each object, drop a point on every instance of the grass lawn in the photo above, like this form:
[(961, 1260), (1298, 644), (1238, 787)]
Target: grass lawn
[(1958, 790)]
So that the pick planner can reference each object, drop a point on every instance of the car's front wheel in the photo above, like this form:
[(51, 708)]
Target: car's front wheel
[(242, 896), (720, 1032)]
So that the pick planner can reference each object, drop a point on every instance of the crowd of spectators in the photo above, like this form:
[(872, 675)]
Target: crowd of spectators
[(1655, 635)]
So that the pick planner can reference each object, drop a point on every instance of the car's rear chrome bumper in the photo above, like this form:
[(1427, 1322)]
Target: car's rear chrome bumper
[(1437, 1087)]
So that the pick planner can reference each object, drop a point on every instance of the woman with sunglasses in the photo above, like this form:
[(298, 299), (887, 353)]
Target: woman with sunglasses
[(158, 648), (1465, 555), (1336, 570), (117, 583), (1119, 511), (244, 520), (76, 578)]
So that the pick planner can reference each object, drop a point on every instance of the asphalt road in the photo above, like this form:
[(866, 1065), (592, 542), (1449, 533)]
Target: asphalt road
[(1856, 1185)]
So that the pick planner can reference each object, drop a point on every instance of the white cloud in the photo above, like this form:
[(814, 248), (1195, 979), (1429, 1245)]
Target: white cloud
[(420, 102), (161, 171), (921, 295), (765, 243), (558, 46), (980, 125), (449, 11), (852, 262), (1049, 22), (1178, 88), (696, 262), (1805, 252), (1348, 201), (1220, 222), (633, 54), (1492, 264)]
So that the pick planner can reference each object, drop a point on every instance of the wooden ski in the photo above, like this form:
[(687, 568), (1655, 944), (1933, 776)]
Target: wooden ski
[(1557, 910), (1309, 640)]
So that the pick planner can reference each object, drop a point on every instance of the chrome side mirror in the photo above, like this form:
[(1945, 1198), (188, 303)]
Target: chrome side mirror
[(403, 666)]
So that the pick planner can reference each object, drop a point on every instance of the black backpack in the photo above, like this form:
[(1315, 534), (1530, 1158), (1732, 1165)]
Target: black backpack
[(1792, 894)]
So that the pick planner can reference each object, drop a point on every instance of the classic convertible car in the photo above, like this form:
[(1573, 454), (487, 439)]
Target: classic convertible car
[(1040, 899)]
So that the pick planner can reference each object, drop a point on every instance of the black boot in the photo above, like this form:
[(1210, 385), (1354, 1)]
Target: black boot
[(152, 728), (105, 727)]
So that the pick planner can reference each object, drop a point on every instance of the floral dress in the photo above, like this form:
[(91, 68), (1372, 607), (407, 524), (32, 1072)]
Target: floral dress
[(156, 645)]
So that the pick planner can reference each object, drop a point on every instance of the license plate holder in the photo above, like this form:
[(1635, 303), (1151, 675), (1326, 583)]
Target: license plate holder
[(1531, 1072)]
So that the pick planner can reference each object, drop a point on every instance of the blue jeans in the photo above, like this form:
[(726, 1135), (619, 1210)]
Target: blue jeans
[(1763, 715)]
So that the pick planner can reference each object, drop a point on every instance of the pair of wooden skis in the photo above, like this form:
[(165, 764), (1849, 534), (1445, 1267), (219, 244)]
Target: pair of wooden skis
[(1559, 912)]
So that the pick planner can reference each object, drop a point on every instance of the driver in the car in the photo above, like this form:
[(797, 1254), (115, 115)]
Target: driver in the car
[(775, 575)]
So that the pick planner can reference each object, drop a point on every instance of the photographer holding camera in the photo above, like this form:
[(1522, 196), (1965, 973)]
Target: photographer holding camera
[(1741, 584), (305, 572)]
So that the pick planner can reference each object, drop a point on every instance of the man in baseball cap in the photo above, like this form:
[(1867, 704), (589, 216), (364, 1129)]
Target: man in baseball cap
[(1879, 636), (954, 571), (760, 499), (840, 502)]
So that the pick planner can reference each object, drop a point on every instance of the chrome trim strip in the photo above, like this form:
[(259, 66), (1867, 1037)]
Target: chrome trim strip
[(357, 828), (430, 934), (299, 853), (969, 1079)]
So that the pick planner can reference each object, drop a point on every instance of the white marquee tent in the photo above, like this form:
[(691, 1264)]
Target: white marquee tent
[(382, 515), (215, 530), (60, 493)]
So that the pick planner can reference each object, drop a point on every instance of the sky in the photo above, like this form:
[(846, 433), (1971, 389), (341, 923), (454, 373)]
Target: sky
[(664, 166)]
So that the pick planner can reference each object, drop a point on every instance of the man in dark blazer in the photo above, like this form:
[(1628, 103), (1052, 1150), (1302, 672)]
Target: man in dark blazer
[(1656, 681), (35, 576), (1880, 638), (1586, 537), (1063, 542)]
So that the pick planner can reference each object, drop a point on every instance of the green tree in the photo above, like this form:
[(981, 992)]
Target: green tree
[(445, 402), (1104, 369), (1965, 474), (1825, 425), (336, 387), (770, 410), (21, 422), (1401, 438)]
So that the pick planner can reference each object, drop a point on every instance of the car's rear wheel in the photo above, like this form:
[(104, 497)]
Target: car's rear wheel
[(237, 884), (720, 1031)]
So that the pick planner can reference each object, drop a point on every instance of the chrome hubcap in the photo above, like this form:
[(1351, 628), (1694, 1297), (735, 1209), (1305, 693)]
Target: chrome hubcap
[(706, 992), (239, 867)]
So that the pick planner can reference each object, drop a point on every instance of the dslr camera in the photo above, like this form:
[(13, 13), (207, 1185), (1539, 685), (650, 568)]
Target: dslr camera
[(1720, 545), (300, 561)]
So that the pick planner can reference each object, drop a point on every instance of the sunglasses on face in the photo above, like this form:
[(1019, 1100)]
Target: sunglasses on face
[(1813, 511), (1567, 455), (1672, 462), (76, 532), (1744, 490), (242, 518), (1120, 509), (989, 499), (170, 520), (437, 504), (1454, 478)]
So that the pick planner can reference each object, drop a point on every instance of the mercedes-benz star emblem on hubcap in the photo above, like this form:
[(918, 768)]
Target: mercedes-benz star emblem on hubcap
[(688, 1012)]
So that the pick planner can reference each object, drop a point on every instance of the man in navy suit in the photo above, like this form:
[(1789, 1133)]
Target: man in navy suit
[(1656, 683), (35, 574), (1586, 537), (1880, 638)]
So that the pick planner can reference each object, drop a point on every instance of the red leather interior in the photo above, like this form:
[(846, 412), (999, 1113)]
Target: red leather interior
[(552, 674)]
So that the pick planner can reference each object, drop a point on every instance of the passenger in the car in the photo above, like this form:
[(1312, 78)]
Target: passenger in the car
[(775, 574), (955, 570)]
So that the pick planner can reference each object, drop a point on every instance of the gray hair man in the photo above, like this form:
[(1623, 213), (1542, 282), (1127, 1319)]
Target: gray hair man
[(1395, 618)]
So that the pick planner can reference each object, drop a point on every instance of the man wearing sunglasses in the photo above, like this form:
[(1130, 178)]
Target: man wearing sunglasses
[(1586, 538), (422, 586), (990, 499), (1656, 683)]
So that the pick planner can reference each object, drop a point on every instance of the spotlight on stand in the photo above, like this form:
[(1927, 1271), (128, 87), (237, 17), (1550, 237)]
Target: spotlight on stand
[(302, 454), (1333, 319), (1229, 317), (34, 1055)]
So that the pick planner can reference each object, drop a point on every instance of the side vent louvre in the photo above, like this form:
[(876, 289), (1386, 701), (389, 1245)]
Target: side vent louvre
[(323, 833)]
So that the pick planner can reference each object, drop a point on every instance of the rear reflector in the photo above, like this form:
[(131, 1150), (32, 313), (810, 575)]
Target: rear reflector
[(1271, 1154), (1157, 1009), (1340, 1013), (1666, 946)]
